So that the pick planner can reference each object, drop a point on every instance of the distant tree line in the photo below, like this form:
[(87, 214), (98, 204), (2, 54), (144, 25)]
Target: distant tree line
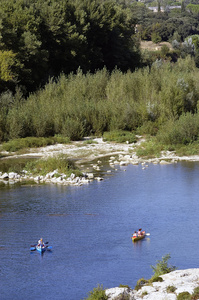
[(165, 26)]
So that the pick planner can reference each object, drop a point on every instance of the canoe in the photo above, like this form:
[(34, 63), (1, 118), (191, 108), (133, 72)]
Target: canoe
[(41, 249), (135, 239)]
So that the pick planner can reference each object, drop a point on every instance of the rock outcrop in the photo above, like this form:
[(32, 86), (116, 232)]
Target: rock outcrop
[(52, 177), (172, 285)]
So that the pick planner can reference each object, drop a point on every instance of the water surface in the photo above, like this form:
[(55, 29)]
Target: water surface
[(90, 227)]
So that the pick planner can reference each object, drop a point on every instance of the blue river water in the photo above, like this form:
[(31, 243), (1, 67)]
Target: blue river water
[(90, 228)]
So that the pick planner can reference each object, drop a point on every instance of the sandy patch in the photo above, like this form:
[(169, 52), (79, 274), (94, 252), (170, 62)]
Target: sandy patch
[(148, 45)]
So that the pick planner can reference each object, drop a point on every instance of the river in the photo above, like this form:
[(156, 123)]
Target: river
[(90, 228)]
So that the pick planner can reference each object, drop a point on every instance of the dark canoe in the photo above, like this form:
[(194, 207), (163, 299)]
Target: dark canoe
[(135, 239)]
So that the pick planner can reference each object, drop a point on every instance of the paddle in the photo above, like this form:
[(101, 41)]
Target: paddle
[(145, 234)]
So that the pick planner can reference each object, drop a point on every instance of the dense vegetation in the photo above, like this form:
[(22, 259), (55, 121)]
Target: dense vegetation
[(90, 104), (82, 61), (42, 38)]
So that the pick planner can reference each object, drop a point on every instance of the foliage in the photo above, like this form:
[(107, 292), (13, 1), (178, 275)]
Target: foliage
[(59, 163), (145, 101), (183, 131), (41, 39), (7, 64), (119, 136), (193, 8), (32, 142), (165, 25), (89, 142), (195, 294), (97, 293), (184, 296), (144, 293), (150, 148), (162, 266), (190, 149), (156, 279), (140, 283), (171, 289)]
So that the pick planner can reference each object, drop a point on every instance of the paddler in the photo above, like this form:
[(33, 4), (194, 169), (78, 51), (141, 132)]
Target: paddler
[(135, 234), (40, 242)]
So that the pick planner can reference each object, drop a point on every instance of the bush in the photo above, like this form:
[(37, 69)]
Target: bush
[(195, 294), (59, 163), (171, 289), (150, 149), (140, 283), (119, 136), (97, 293), (33, 142), (156, 279), (144, 293), (191, 149), (162, 266), (184, 296), (183, 131)]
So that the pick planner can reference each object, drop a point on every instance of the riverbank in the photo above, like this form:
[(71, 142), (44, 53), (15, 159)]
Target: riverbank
[(88, 151), (173, 284)]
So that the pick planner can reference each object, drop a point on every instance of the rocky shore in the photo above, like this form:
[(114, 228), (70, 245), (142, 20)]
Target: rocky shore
[(81, 152), (172, 285)]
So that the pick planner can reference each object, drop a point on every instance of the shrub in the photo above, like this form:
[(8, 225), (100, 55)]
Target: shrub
[(33, 142), (184, 296), (140, 283), (119, 136), (124, 286), (89, 142), (97, 293), (191, 149), (195, 294), (148, 127), (171, 289), (183, 131), (162, 266), (150, 148), (156, 279), (144, 293), (59, 163)]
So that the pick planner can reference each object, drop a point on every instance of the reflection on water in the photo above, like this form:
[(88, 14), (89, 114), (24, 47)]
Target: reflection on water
[(90, 229)]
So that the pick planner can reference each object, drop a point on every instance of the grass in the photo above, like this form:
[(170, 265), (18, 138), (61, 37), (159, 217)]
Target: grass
[(190, 149), (119, 136), (59, 163), (90, 142), (149, 149), (33, 142)]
